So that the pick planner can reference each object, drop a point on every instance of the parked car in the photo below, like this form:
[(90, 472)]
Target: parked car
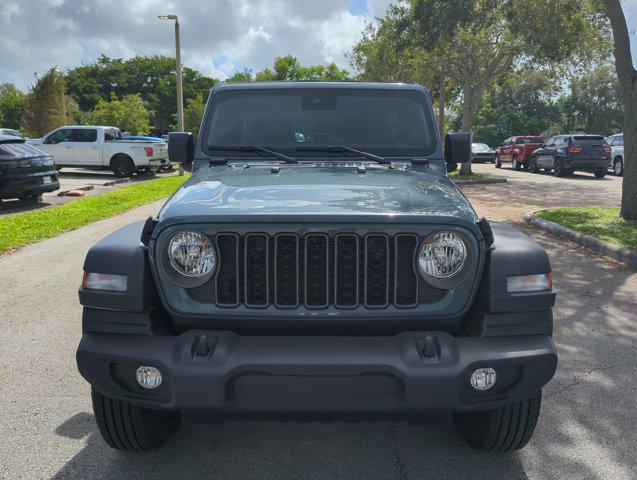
[(318, 261), (10, 132), (25, 172), (482, 152), (565, 154), (517, 151), (616, 143), (102, 147)]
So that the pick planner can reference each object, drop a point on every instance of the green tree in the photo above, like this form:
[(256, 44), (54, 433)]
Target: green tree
[(47, 106), (288, 68), (397, 48), (11, 105), (129, 114), (594, 104), (153, 78), (522, 103), (242, 76), (473, 43), (193, 114)]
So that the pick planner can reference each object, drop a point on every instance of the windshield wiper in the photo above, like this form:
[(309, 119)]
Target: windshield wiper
[(255, 148), (344, 148)]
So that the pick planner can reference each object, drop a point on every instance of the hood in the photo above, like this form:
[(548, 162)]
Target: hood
[(232, 191)]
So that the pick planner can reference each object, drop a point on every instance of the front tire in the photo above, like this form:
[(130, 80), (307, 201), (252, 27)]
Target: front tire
[(502, 429), (515, 164), (618, 167), (497, 162), (558, 168), (126, 427), (533, 167)]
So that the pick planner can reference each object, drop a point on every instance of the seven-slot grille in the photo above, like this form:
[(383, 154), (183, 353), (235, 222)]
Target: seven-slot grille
[(316, 270)]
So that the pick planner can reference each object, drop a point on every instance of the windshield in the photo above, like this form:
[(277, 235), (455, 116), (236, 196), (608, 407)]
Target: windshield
[(384, 122), (480, 147)]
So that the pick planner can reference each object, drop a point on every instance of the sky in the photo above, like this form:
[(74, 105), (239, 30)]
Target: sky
[(218, 37)]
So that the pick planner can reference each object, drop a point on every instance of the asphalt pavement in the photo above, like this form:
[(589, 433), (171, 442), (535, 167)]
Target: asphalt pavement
[(586, 429)]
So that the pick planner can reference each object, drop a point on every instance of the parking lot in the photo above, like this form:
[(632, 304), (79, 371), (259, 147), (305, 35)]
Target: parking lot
[(92, 182), (586, 429), (525, 192)]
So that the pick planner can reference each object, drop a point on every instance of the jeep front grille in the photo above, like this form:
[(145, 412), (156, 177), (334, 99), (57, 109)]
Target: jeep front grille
[(316, 271)]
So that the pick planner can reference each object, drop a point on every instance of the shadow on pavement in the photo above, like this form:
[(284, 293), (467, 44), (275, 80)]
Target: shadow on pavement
[(290, 450)]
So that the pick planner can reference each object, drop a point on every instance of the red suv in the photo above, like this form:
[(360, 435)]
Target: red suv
[(517, 151)]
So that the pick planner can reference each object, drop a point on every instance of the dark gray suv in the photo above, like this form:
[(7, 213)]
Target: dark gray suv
[(318, 262)]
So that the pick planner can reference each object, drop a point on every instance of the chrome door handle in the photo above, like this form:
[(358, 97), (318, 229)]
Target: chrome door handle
[(93, 148), (69, 148)]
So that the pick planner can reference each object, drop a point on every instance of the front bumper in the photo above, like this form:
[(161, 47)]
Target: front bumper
[(226, 373)]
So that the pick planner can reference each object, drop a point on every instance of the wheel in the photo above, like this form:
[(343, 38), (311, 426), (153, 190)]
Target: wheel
[(503, 429), (558, 168), (533, 168), (126, 427), (123, 166), (497, 162), (600, 173), (515, 164), (618, 167)]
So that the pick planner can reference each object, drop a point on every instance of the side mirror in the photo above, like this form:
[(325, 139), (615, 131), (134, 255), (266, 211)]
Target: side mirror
[(181, 147), (457, 149)]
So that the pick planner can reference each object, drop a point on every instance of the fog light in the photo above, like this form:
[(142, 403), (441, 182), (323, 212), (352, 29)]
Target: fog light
[(483, 378), (148, 377)]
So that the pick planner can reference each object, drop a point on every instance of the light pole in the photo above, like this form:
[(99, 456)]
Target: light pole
[(180, 91)]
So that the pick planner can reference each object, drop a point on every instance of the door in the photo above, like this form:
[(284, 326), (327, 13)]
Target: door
[(59, 145), (506, 150), (544, 157), (87, 151)]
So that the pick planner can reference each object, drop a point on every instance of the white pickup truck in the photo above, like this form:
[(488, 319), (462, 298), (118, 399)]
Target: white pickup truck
[(102, 147)]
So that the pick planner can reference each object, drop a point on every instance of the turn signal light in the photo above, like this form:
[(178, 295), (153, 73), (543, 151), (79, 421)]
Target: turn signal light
[(105, 281), (530, 283)]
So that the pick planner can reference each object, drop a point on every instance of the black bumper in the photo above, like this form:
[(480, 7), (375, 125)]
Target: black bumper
[(235, 374), (586, 164), (30, 184)]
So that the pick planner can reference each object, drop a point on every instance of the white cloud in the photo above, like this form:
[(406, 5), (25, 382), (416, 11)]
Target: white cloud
[(218, 36)]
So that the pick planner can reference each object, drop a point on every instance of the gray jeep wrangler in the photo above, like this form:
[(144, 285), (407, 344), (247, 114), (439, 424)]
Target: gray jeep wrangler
[(318, 263)]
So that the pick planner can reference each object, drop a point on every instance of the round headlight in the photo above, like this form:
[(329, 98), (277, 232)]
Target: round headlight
[(442, 255), (192, 254)]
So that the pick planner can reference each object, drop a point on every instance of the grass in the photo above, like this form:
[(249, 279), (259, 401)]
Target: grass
[(601, 222), (30, 227)]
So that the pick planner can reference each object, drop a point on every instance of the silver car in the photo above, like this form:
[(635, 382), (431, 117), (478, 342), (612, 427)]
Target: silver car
[(616, 142)]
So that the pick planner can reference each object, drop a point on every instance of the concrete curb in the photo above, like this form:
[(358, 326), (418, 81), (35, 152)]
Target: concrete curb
[(623, 255), (86, 189), (483, 181), (115, 182)]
